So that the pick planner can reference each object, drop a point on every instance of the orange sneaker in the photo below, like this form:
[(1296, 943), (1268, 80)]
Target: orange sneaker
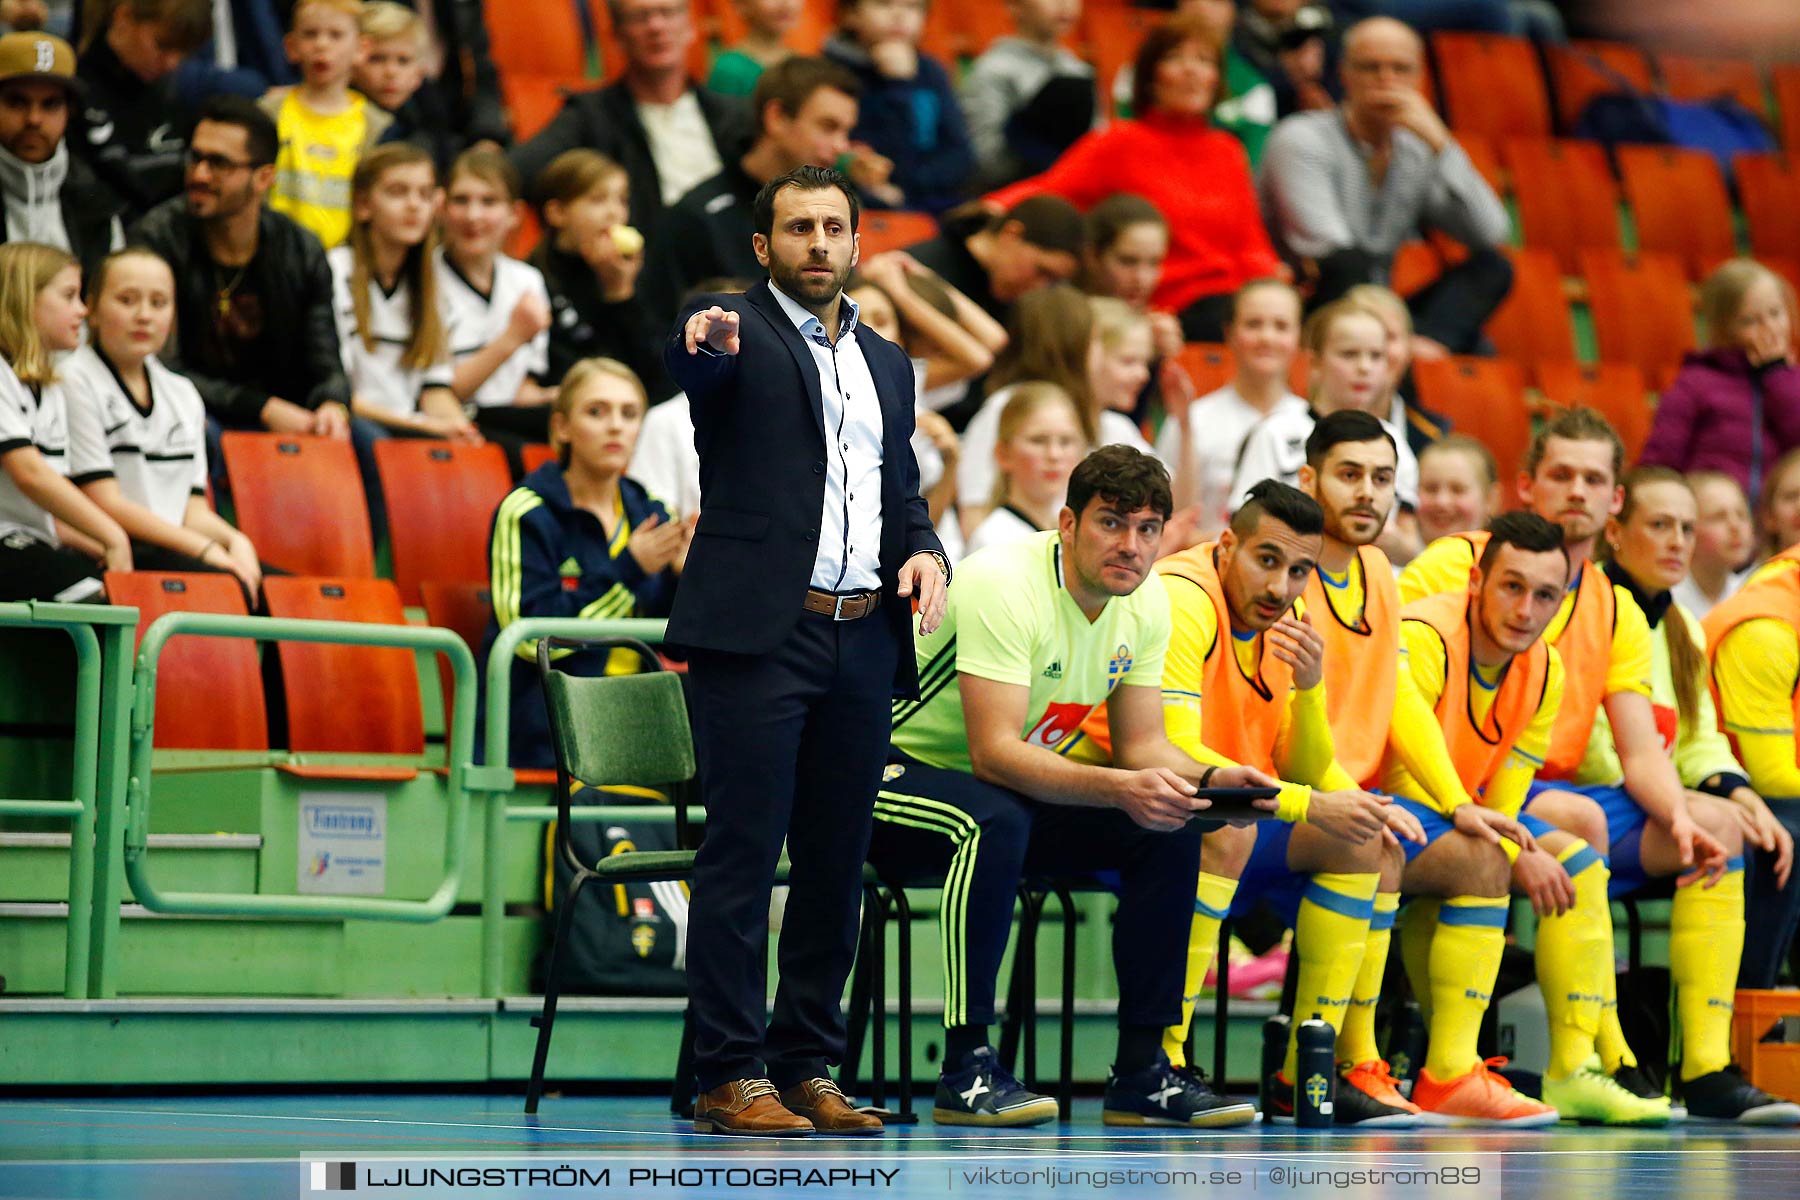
[(1370, 1098), (1478, 1098)]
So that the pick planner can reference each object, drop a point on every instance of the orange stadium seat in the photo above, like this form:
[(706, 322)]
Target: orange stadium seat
[(1112, 35), (208, 690), (541, 39), (1785, 80), (1416, 266), (441, 497), (1533, 324), (300, 499), (1568, 201), (1491, 85), (1208, 364), (1679, 201), (1692, 77), (535, 455), (533, 101), (894, 230), (943, 36), (354, 699), (1481, 152), (465, 610), (1769, 188), (524, 239), (1575, 78), (1641, 309), (1616, 389), (1482, 397)]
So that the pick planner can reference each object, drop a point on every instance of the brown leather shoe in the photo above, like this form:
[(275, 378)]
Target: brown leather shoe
[(820, 1101), (747, 1108)]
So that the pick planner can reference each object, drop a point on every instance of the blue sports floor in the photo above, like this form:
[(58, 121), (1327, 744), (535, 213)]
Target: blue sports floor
[(179, 1148)]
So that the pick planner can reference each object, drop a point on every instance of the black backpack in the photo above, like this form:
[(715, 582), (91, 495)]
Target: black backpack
[(625, 939)]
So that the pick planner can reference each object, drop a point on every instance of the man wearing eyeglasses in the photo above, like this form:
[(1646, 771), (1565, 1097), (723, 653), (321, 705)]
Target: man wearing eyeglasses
[(254, 324), (46, 193)]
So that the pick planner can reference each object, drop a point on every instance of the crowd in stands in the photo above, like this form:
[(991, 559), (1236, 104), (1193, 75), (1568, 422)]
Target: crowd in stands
[(330, 219)]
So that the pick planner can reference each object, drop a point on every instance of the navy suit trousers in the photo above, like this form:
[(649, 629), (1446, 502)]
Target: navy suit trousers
[(791, 746)]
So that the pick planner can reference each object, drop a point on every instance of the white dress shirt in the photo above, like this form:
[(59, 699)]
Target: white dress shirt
[(849, 557)]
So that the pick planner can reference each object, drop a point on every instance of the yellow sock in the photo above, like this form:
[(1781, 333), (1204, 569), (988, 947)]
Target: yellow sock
[(1615, 1051), (1706, 939), (1212, 903), (1330, 931), (1418, 926), (1465, 961), (1574, 956), (1356, 1041)]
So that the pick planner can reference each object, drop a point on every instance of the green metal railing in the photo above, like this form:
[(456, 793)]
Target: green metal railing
[(496, 778), (101, 637), (459, 747)]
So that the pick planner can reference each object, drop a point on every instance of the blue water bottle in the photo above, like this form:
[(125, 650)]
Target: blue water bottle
[(1315, 1073)]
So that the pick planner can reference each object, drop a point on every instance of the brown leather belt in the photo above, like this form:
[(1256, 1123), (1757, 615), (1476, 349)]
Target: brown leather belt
[(850, 606)]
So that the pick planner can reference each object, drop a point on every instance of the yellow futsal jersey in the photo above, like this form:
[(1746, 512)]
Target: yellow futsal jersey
[(318, 155), (1605, 651), (1227, 699), (1011, 619), (1373, 704), (1755, 654), (1469, 738)]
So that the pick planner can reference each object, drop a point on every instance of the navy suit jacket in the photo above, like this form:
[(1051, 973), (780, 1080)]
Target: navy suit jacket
[(759, 427)]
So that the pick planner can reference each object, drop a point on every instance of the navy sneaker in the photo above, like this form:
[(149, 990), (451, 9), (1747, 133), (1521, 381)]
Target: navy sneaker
[(982, 1092), (1727, 1096), (1161, 1094), (1636, 1080)]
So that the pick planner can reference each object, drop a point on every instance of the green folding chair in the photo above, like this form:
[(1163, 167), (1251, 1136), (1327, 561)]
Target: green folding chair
[(610, 731)]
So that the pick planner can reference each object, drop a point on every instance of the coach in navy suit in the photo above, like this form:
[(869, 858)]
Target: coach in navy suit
[(796, 608)]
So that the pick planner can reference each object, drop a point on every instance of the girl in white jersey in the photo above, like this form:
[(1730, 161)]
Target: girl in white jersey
[(498, 307), (137, 430), (1347, 345), (1201, 443), (1040, 441), (391, 329), (54, 541)]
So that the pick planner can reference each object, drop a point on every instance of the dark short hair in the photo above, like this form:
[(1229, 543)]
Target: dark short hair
[(1582, 424), (1287, 504), (807, 179), (1525, 530), (1124, 477), (1049, 223), (792, 81), (261, 140), (1117, 213), (1342, 427)]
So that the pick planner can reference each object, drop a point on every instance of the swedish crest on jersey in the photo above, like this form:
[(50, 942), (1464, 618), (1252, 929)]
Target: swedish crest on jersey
[(1119, 666)]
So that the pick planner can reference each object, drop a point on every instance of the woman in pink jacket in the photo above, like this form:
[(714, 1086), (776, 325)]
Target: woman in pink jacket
[(1735, 406)]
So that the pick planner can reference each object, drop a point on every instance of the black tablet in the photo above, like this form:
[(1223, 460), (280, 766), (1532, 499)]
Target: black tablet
[(1236, 804)]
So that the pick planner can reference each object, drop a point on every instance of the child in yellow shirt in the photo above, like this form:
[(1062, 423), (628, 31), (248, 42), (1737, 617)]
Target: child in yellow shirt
[(325, 127)]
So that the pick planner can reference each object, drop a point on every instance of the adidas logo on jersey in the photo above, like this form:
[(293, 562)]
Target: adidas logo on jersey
[(1054, 670)]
